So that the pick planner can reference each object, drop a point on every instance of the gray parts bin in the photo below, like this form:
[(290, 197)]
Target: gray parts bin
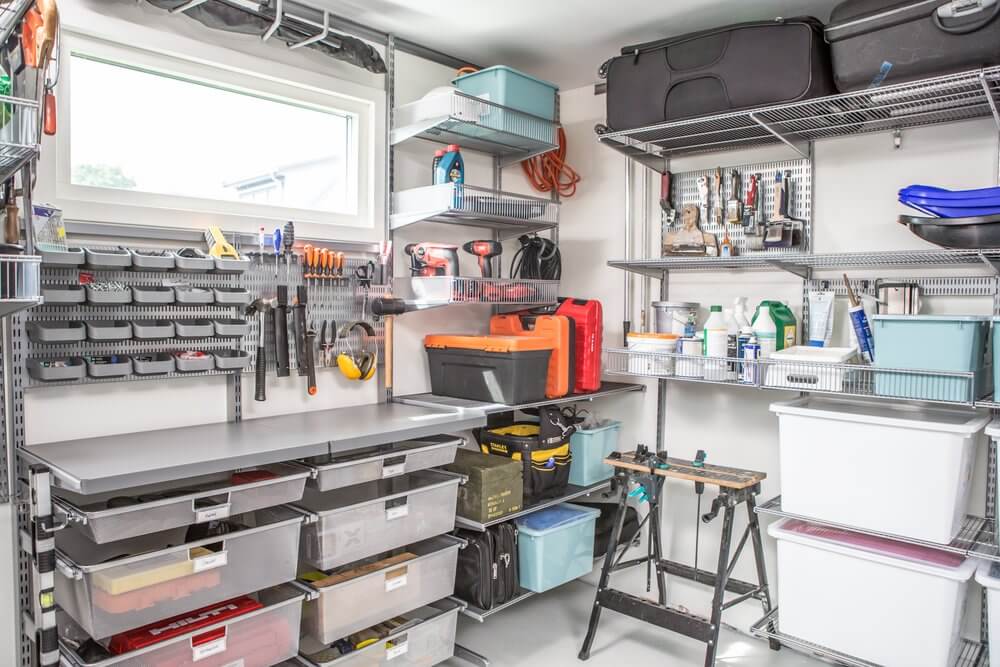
[(56, 332), (205, 363), (194, 328), (101, 330), (234, 328), (157, 363), (152, 329), (193, 295), (382, 462), (108, 297), (75, 369), (120, 367), (67, 257), (152, 294), (193, 260), (231, 296), (107, 258), (63, 295), (144, 261), (230, 360), (230, 265)]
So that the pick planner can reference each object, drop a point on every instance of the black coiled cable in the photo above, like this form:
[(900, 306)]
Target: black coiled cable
[(536, 259)]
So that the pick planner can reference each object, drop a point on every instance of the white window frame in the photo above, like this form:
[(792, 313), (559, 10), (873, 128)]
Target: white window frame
[(116, 205)]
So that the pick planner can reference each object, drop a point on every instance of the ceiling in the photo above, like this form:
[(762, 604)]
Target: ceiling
[(563, 41)]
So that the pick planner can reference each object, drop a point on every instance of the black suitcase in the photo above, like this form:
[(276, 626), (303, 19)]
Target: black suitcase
[(881, 42), (736, 67), (487, 567)]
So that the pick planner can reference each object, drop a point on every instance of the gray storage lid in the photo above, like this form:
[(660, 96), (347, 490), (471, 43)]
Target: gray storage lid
[(935, 318), (674, 304)]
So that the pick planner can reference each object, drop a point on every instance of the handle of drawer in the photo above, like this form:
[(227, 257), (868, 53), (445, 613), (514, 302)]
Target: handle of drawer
[(208, 644), (213, 561), (211, 512)]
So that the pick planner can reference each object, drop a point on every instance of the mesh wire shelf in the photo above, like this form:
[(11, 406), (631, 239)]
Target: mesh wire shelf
[(976, 538), (475, 124), (19, 283), (971, 654), (944, 99), (474, 207), (952, 388), (430, 292)]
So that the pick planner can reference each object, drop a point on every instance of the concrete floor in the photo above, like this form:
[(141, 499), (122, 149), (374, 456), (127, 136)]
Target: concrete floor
[(549, 629)]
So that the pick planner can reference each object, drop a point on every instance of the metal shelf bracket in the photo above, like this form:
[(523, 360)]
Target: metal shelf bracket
[(803, 272), (803, 148)]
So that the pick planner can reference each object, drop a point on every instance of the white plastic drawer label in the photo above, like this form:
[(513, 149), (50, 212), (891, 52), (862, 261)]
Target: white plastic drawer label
[(395, 579), (235, 663), (207, 650), (397, 512), (393, 470), (212, 513), (211, 562), (394, 650)]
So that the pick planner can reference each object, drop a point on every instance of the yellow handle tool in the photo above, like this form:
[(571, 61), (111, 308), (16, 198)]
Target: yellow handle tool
[(218, 246)]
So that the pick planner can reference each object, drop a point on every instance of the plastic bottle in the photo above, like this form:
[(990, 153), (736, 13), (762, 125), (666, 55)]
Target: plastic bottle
[(438, 154), (765, 331), (740, 312), (715, 337), (751, 354), (732, 344), (746, 333), (691, 326), (451, 169), (784, 321)]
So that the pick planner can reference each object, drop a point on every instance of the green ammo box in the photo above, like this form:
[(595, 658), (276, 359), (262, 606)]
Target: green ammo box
[(495, 487)]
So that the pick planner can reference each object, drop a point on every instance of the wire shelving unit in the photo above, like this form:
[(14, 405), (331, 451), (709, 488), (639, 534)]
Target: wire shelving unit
[(471, 206)]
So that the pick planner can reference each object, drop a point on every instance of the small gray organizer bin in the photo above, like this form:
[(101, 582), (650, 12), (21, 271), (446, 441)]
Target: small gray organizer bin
[(109, 517), (152, 329), (230, 265), (193, 296), (152, 294), (143, 260), (67, 257), (107, 258), (75, 369), (119, 365), (108, 297), (102, 330), (231, 328), (194, 328), (205, 363), (428, 636), (382, 462), (156, 363), (193, 260), (231, 296), (367, 519), (63, 295), (40, 331), (231, 360), (428, 576), (110, 588), (264, 636)]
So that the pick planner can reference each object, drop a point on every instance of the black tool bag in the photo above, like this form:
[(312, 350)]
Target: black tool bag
[(606, 523), (487, 567), (881, 42), (736, 67)]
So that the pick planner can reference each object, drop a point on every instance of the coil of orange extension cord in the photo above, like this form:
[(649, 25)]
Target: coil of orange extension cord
[(549, 171)]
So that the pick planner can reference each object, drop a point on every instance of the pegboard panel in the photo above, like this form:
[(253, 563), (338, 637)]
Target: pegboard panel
[(797, 172), (929, 286)]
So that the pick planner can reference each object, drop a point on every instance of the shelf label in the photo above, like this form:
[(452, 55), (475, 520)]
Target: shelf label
[(393, 470), (211, 562), (212, 513), (235, 663), (395, 579), (394, 650), (397, 512), (209, 649)]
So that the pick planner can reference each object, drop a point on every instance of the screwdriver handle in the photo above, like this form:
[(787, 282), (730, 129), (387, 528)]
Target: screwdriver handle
[(307, 265)]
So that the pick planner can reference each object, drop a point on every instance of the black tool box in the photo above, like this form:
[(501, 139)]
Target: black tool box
[(495, 486), (493, 369), (713, 71), (487, 573), (881, 42)]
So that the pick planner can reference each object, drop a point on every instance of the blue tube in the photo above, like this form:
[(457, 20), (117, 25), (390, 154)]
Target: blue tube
[(866, 342)]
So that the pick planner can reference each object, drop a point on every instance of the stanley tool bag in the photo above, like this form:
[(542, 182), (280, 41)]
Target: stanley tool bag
[(736, 67), (487, 567), (881, 42)]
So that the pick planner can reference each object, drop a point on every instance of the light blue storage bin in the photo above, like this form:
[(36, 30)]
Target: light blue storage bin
[(507, 87), (955, 343), (589, 448), (555, 545)]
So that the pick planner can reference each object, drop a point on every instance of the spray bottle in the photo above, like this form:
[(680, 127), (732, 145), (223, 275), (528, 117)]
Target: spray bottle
[(740, 312), (859, 321)]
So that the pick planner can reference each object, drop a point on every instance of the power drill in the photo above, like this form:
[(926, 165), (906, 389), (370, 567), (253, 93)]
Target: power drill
[(485, 251), (433, 259)]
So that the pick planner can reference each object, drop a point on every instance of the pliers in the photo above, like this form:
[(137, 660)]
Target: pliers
[(327, 338)]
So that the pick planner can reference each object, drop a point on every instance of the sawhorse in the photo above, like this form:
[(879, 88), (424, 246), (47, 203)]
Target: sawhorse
[(735, 486)]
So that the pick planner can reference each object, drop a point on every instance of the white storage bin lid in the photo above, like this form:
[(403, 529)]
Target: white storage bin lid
[(988, 574), (885, 414), (877, 549), (819, 355), (552, 519), (993, 430), (935, 318)]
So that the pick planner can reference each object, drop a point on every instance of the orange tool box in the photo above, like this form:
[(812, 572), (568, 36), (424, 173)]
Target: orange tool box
[(556, 329)]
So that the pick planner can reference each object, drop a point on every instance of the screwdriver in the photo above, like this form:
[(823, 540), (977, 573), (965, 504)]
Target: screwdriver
[(261, 239), (307, 262), (276, 239), (289, 241)]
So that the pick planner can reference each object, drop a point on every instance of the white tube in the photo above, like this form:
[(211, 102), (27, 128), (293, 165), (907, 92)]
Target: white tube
[(820, 318)]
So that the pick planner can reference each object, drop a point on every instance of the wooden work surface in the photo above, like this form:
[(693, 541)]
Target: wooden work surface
[(731, 478)]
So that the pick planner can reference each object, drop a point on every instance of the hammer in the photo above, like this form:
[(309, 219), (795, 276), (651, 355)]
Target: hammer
[(260, 306)]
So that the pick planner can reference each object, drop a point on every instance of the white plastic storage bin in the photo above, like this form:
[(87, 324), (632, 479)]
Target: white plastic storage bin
[(650, 353), (367, 519), (110, 588), (988, 576), (589, 447), (887, 602), (892, 468), (555, 545), (808, 368), (418, 575)]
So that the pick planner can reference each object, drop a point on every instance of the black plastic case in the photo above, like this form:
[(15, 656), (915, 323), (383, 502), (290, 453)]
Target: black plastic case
[(493, 377)]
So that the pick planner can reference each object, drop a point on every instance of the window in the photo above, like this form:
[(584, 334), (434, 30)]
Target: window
[(152, 130)]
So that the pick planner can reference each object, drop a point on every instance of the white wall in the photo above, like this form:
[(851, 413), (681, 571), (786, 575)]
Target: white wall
[(855, 183)]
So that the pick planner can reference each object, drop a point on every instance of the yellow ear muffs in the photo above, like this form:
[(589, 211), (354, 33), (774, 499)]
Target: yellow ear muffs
[(362, 365)]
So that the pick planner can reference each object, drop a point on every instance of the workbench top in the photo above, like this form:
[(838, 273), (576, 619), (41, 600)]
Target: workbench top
[(731, 478)]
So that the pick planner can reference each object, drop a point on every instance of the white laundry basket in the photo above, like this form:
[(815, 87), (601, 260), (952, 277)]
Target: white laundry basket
[(893, 468), (886, 602)]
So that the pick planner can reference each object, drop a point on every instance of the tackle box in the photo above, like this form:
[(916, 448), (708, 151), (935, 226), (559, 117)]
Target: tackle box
[(230, 633), (199, 328), (153, 294), (193, 260), (231, 296), (193, 295), (191, 361), (68, 368), (67, 257), (555, 545), (108, 365), (152, 260), (113, 587), (41, 331), (380, 462), (366, 519), (508, 87), (152, 329), (63, 295), (589, 447), (107, 258), (231, 360), (155, 363), (495, 369), (113, 516), (107, 297), (231, 328), (390, 584), (102, 330), (427, 637)]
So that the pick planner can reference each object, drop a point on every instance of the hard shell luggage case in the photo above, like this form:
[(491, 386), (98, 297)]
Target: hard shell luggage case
[(882, 42), (735, 67), (588, 316)]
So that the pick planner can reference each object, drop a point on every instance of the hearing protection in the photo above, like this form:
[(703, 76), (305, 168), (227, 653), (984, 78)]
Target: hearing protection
[(359, 365)]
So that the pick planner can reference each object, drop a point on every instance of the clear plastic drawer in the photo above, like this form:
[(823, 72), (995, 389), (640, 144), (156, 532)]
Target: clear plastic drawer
[(382, 462)]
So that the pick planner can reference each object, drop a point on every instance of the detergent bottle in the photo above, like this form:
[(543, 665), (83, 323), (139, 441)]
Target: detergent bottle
[(451, 169), (786, 328)]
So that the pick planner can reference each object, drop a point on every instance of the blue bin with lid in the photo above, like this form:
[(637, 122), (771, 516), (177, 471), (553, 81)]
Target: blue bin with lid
[(589, 447), (949, 343), (555, 545), (513, 89)]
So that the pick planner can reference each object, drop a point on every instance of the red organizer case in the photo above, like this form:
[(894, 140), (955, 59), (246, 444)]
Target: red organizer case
[(589, 318), (169, 628)]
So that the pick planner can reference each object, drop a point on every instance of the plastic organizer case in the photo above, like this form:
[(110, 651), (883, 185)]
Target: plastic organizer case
[(152, 294), (231, 265), (41, 331), (63, 295), (231, 360), (57, 369), (193, 260), (155, 363), (103, 297), (103, 330), (367, 519), (194, 328), (107, 258), (231, 296), (193, 296), (114, 587), (231, 328), (110, 517), (152, 260), (152, 329), (427, 637), (109, 366), (67, 257), (389, 584), (556, 545), (382, 462), (254, 631), (187, 363)]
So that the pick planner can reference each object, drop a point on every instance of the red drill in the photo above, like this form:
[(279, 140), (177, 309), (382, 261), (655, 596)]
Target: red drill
[(485, 251)]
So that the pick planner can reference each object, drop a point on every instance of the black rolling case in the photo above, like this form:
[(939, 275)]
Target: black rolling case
[(881, 42), (736, 67), (487, 574)]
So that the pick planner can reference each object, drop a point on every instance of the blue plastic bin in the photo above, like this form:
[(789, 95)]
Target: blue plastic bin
[(555, 545), (507, 87), (954, 343), (589, 448)]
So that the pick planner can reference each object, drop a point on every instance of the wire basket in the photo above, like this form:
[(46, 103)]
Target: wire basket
[(19, 282)]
